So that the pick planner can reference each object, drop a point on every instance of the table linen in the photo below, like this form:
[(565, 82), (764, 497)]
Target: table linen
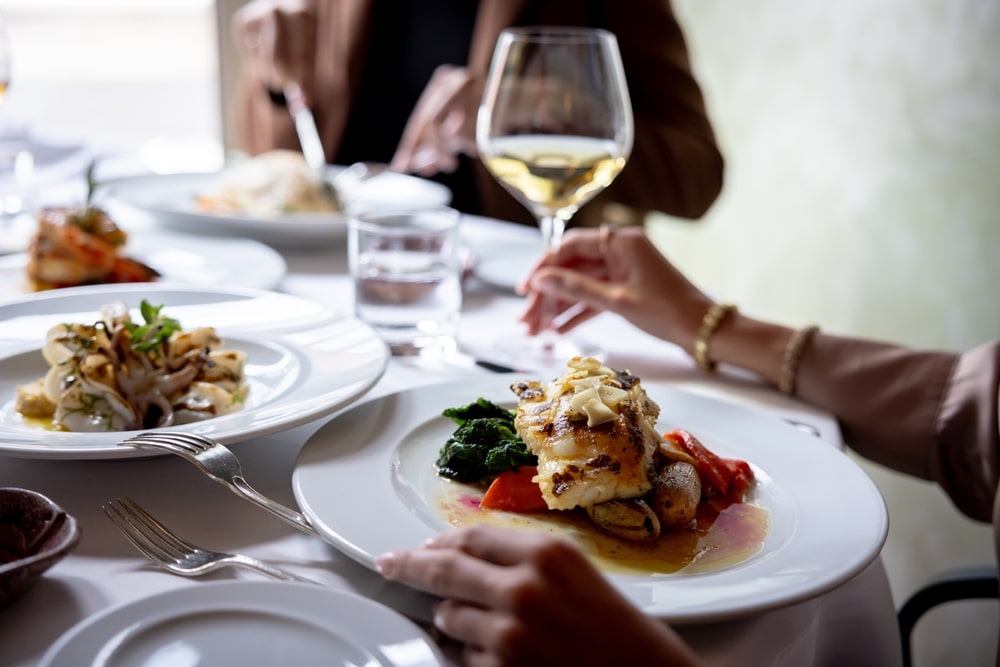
[(852, 624)]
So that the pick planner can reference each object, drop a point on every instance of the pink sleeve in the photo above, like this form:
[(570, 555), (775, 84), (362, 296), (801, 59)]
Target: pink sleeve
[(931, 415)]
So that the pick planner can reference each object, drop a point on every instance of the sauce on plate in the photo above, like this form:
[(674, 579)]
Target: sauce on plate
[(715, 540)]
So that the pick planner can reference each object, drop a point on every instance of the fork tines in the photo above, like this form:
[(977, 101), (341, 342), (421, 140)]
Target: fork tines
[(144, 532)]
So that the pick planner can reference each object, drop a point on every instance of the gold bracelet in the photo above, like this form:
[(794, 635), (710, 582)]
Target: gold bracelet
[(713, 318), (791, 357)]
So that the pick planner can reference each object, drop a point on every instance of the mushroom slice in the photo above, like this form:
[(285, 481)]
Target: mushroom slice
[(676, 494), (631, 520)]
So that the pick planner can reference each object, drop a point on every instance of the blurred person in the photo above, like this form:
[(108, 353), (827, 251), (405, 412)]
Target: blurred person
[(400, 82), (930, 414)]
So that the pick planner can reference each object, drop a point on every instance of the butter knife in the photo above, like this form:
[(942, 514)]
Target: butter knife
[(305, 127), (312, 147)]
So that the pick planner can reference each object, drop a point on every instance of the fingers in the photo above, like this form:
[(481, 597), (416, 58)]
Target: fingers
[(445, 572), (465, 563), (492, 544), (469, 624), (540, 314), (586, 250), (441, 126), (469, 613), (573, 286), (278, 41)]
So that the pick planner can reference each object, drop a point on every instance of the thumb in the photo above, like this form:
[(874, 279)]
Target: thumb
[(572, 286)]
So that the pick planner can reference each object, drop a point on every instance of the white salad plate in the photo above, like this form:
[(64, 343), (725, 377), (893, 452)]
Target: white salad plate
[(505, 265), (304, 360), (184, 260), (827, 519), (260, 623), (170, 201)]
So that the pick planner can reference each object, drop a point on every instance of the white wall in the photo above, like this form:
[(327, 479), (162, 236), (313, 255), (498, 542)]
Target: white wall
[(863, 194)]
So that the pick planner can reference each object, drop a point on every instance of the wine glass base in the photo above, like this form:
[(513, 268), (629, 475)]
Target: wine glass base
[(540, 353)]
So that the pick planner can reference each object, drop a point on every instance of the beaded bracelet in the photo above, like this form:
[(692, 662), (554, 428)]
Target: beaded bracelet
[(791, 357), (713, 318)]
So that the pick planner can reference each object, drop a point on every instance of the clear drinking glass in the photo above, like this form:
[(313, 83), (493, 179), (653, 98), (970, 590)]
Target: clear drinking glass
[(555, 128), (406, 268)]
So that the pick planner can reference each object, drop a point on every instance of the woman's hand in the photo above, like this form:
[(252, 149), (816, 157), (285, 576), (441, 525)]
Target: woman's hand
[(621, 272), (278, 41), (518, 597), (442, 125)]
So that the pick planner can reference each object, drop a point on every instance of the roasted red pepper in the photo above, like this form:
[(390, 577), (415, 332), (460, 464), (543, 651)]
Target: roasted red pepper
[(725, 478), (514, 491)]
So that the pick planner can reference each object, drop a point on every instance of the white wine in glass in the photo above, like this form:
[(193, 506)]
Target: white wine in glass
[(555, 128)]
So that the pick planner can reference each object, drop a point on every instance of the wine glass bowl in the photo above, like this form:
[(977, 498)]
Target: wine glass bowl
[(555, 128)]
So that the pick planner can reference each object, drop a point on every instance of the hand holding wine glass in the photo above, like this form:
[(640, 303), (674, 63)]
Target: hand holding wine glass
[(555, 128)]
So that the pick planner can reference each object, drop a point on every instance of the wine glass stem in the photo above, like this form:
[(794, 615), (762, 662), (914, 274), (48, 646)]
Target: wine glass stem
[(552, 232)]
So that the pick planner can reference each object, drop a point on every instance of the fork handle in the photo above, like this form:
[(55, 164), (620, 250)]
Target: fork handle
[(249, 563), (286, 514)]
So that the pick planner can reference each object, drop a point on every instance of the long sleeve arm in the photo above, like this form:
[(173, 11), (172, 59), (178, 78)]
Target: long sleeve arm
[(932, 415), (676, 166)]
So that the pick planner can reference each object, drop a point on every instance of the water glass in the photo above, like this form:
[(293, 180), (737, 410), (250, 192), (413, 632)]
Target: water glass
[(406, 268)]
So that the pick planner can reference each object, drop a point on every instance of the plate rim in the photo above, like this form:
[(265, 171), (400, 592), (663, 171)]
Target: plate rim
[(641, 589), (218, 595)]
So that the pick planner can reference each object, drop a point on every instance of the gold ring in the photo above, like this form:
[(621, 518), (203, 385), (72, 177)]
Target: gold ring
[(604, 240)]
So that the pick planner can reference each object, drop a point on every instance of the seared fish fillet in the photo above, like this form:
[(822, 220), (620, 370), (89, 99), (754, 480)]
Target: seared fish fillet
[(593, 430)]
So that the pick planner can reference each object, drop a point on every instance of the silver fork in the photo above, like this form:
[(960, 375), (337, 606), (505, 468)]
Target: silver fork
[(218, 462), (166, 549)]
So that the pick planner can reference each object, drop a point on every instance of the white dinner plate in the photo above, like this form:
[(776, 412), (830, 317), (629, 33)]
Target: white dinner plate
[(827, 519), (169, 201), (259, 623), (304, 360), (504, 265), (182, 259)]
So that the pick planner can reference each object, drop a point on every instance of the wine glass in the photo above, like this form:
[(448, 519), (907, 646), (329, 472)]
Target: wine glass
[(554, 128)]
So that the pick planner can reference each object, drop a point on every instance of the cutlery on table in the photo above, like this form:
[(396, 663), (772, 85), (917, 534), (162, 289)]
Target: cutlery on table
[(312, 145), (305, 128), (162, 546), (312, 149), (218, 462)]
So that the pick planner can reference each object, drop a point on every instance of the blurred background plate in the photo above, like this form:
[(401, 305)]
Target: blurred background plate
[(169, 201), (183, 260), (504, 265)]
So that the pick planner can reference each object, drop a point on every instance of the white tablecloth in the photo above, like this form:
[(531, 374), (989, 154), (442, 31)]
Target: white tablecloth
[(853, 624)]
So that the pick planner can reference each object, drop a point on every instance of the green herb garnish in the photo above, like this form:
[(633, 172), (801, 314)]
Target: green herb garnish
[(156, 330), (484, 444)]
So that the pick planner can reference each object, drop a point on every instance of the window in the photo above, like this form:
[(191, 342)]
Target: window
[(119, 75)]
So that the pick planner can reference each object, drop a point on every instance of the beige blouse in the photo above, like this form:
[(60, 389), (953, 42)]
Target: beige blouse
[(932, 415)]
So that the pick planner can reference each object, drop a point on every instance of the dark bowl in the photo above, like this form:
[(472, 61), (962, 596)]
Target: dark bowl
[(35, 534)]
